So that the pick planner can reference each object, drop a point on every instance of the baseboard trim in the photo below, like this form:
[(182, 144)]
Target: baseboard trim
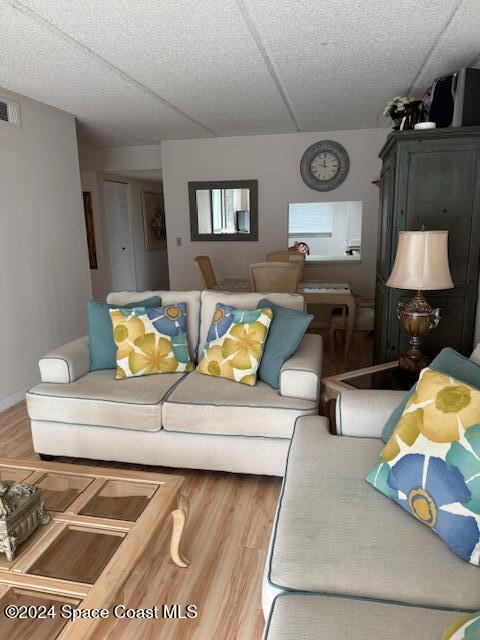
[(9, 401)]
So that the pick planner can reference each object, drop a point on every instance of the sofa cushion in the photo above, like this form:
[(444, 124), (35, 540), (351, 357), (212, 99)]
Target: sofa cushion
[(431, 467), (448, 361), (209, 300), (286, 332), (336, 535), (100, 333), (316, 617), (98, 399), (151, 340), (235, 344), (465, 628), (191, 298), (203, 404)]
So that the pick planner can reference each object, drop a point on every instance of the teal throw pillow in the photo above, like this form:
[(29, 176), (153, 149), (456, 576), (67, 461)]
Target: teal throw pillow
[(286, 332), (448, 361), (103, 350)]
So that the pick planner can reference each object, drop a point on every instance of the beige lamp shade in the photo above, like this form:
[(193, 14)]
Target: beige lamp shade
[(421, 262)]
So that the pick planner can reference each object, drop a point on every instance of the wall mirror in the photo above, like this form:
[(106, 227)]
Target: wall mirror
[(226, 210), (332, 230)]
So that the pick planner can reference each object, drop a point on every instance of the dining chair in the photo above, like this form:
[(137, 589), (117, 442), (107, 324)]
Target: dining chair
[(289, 256), (274, 277), (364, 318), (206, 271)]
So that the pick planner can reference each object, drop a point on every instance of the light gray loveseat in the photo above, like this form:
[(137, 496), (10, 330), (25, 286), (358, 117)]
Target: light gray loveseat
[(176, 420), (346, 562)]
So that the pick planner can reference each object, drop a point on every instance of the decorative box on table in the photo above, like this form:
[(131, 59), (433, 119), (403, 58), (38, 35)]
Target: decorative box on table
[(21, 511)]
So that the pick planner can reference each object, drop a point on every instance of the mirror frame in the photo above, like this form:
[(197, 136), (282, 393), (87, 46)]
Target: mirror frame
[(195, 236)]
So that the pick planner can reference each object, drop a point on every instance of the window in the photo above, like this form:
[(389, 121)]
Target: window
[(223, 211), (310, 219)]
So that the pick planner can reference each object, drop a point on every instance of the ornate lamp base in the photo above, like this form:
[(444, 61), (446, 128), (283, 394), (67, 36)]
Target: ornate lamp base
[(417, 318)]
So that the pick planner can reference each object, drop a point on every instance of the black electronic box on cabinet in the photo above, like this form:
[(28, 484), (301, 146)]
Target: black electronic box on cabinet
[(455, 100)]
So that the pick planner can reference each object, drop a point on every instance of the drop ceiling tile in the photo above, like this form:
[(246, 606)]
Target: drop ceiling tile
[(350, 105), (340, 62), (38, 62), (458, 47), (298, 30), (199, 55)]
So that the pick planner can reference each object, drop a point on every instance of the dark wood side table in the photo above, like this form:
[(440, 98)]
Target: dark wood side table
[(387, 376)]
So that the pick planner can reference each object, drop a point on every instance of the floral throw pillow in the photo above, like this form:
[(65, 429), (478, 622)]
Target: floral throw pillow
[(431, 464), (235, 343), (465, 628), (151, 340)]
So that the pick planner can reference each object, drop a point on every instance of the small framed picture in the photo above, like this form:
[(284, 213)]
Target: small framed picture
[(154, 221)]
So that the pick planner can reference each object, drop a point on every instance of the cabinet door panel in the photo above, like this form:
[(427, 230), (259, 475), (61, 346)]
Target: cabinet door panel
[(387, 190), (441, 189), (380, 333)]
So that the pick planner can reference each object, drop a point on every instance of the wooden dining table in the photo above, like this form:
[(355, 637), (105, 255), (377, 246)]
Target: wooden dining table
[(333, 294)]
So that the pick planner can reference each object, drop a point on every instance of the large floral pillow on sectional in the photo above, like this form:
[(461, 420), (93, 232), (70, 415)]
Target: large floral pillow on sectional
[(465, 628), (235, 343), (431, 464), (151, 340)]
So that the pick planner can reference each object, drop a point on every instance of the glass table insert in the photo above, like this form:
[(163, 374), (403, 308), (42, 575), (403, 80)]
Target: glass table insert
[(119, 500), (59, 491)]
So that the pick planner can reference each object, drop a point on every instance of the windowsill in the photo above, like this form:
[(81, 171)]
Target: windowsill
[(321, 258)]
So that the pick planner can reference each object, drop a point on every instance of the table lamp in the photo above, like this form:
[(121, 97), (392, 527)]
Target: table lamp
[(421, 264)]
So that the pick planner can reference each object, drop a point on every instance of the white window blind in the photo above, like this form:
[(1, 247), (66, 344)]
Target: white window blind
[(310, 218)]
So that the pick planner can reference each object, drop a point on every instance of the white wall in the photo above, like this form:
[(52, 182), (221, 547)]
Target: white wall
[(44, 274), (274, 160), (151, 267), (134, 158)]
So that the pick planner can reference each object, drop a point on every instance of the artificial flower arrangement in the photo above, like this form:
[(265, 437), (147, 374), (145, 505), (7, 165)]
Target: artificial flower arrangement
[(404, 111)]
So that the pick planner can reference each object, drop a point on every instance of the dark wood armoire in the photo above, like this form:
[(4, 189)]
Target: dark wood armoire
[(430, 178)]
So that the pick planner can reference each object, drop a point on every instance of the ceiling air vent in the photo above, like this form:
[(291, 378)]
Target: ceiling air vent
[(4, 111), (9, 111)]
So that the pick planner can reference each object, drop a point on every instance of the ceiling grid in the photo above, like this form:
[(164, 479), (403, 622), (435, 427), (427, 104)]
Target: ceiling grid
[(142, 72)]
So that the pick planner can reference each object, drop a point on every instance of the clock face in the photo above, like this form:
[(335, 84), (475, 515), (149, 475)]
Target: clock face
[(324, 165)]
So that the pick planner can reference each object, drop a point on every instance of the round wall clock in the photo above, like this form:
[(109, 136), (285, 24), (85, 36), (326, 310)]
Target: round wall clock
[(324, 165)]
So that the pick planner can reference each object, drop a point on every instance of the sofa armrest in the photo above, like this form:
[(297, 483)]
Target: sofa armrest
[(300, 374), (67, 363), (364, 413)]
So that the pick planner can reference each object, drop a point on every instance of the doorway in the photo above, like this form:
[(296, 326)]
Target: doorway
[(119, 242)]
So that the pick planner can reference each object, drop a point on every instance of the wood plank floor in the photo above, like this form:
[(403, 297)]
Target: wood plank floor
[(227, 538)]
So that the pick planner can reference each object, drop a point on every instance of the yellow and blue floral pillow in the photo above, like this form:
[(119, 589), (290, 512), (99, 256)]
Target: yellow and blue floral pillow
[(151, 340), (431, 464), (465, 628), (235, 343)]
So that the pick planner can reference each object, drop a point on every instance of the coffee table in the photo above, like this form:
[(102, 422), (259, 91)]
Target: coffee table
[(102, 519)]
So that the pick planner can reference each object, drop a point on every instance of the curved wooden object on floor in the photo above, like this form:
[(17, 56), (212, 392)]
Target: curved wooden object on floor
[(179, 517)]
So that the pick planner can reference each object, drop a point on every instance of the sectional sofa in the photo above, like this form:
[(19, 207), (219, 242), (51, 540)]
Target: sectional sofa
[(176, 420), (344, 561)]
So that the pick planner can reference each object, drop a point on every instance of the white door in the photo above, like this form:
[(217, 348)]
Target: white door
[(119, 236)]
